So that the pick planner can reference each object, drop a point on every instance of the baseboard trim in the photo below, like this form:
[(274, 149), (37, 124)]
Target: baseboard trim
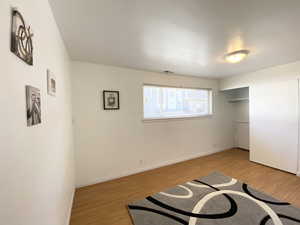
[(140, 170), (298, 173)]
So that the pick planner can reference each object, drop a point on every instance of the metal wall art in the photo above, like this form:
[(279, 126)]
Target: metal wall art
[(21, 38)]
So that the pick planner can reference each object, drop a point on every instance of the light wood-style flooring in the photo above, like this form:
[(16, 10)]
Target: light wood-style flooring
[(105, 203)]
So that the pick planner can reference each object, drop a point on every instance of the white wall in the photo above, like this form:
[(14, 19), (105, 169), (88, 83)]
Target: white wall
[(36, 163), (272, 89), (241, 124), (241, 111), (111, 144), (241, 120), (272, 74)]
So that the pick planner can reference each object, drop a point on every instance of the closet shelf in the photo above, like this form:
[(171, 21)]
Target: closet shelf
[(238, 99)]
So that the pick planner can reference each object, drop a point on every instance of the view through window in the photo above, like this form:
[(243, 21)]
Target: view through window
[(170, 102)]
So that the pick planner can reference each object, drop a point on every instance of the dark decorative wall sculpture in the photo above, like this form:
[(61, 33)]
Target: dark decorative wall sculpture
[(21, 38)]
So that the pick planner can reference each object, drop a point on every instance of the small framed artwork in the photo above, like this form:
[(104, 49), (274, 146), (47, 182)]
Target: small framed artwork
[(33, 106), (51, 83), (111, 100)]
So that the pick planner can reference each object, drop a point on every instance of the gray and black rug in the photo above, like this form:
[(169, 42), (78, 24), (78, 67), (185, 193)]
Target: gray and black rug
[(213, 200)]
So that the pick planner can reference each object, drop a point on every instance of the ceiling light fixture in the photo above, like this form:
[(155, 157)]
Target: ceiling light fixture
[(236, 56), (168, 72)]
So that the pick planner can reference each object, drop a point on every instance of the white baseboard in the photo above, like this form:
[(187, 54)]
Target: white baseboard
[(139, 170)]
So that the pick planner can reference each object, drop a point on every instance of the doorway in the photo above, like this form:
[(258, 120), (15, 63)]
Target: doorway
[(239, 99)]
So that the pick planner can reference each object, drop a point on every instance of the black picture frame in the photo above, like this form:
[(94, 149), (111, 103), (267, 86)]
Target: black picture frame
[(111, 94)]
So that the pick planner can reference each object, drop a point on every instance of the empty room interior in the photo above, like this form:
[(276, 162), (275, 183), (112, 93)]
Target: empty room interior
[(138, 112)]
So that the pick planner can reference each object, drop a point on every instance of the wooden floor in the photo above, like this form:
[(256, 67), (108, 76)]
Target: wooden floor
[(105, 203)]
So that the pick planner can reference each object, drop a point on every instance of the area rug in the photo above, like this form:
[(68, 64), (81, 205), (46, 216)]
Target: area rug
[(213, 200)]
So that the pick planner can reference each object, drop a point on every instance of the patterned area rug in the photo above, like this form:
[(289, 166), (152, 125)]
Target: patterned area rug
[(213, 200)]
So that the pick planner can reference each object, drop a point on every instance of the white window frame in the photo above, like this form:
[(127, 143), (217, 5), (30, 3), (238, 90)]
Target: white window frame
[(211, 103)]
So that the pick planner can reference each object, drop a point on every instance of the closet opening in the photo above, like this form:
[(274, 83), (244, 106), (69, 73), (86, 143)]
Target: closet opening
[(239, 99)]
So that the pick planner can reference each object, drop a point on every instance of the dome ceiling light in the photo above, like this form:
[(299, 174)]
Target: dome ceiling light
[(236, 56)]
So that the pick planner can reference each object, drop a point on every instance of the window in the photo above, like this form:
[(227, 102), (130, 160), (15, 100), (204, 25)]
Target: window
[(170, 102)]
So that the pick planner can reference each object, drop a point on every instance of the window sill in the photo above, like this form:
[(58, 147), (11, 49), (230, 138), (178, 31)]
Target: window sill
[(146, 120)]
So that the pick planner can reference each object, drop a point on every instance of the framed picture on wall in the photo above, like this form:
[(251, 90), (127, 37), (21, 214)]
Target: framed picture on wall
[(33, 106), (111, 100), (51, 83)]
